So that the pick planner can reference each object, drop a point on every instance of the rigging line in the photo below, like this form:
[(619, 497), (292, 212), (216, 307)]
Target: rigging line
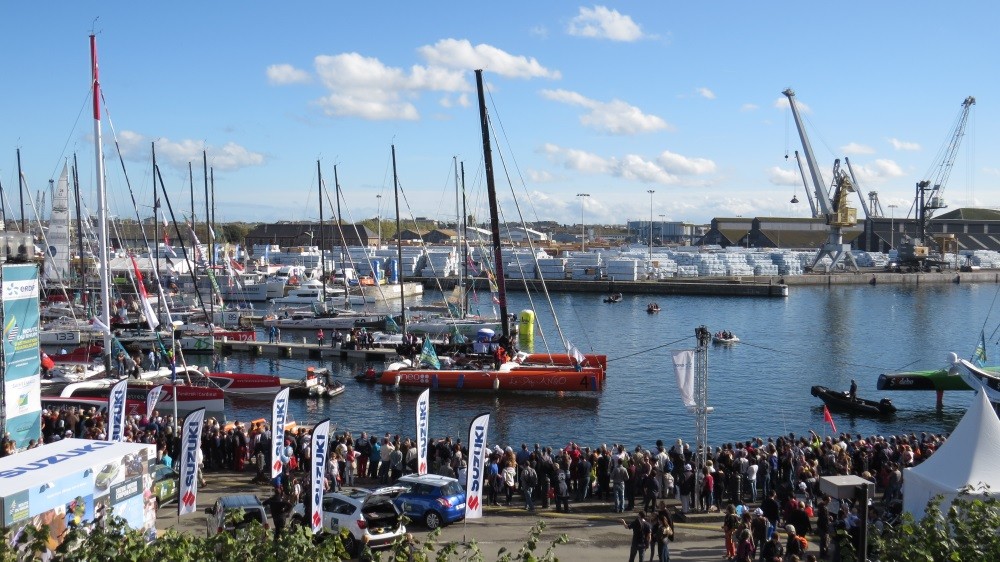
[(45, 240), (531, 245), (350, 257), (83, 108), (513, 158), (644, 351), (787, 352), (985, 320), (420, 237)]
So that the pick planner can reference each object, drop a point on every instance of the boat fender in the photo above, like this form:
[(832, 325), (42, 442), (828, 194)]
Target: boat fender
[(396, 384), (496, 383)]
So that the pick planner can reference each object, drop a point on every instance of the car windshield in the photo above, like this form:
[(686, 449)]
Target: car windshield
[(109, 467)]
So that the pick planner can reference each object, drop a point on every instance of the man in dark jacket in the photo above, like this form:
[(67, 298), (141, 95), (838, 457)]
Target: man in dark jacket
[(280, 508), (642, 533)]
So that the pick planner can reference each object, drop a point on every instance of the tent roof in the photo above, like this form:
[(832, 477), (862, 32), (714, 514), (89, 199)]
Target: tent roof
[(969, 456)]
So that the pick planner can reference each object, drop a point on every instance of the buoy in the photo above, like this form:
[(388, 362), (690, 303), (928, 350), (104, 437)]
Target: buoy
[(526, 322)]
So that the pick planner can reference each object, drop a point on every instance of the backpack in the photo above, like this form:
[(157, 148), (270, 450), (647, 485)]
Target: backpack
[(803, 543), (530, 477)]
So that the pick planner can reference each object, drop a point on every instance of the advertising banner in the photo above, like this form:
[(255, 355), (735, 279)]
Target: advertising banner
[(21, 369), (116, 411), (423, 412), (151, 399), (477, 462), (190, 444), (279, 414), (320, 449)]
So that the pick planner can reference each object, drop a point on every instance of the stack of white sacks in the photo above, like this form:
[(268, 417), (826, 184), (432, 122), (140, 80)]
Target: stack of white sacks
[(552, 268), (622, 269)]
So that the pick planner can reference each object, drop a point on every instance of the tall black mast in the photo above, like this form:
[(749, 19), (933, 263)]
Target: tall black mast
[(494, 213), (399, 245), (322, 234), (156, 234), (208, 229)]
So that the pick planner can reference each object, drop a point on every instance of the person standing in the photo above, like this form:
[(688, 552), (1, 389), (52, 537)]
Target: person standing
[(663, 533), (562, 489), (641, 535), (687, 487), (529, 479), (280, 507), (823, 526), (619, 475), (320, 336), (729, 524)]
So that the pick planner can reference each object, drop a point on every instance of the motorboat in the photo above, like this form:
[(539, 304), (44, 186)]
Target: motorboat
[(842, 401), (652, 308), (613, 297), (337, 319), (312, 386), (725, 338)]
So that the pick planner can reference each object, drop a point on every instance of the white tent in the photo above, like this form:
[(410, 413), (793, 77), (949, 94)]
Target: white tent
[(969, 457)]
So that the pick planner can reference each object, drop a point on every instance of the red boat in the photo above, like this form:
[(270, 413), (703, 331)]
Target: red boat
[(82, 354), (521, 378), (189, 398), (238, 384)]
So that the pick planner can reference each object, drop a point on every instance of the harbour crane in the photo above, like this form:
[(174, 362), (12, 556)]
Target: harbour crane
[(837, 212), (915, 253)]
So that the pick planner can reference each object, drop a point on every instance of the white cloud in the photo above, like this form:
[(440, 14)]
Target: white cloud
[(855, 148), (365, 87), (615, 117), (460, 54), (664, 170), (684, 165), (904, 145), (749, 107), (230, 156), (782, 176), (782, 103), (539, 176), (878, 171), (705, 93), (281, 74), (601, 23), (991, 171)]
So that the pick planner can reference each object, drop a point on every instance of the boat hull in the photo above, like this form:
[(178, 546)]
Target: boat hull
[(189, 398), (840, 401), (520, 379), (938, 379)]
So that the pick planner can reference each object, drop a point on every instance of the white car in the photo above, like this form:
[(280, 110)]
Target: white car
[(363, 513)]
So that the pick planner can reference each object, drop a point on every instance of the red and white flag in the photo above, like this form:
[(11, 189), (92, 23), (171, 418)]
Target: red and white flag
[(476, 467), (828, 418), (147, 308)]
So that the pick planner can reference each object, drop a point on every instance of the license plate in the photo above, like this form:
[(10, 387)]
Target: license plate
[(460, 506)]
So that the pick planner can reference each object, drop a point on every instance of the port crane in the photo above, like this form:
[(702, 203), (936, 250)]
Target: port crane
[(922, 252), (835, 210)]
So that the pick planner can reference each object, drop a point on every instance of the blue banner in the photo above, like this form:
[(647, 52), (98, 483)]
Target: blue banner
[(22, 395)]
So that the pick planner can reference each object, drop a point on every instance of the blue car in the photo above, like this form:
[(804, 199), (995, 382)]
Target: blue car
[(434, 500)]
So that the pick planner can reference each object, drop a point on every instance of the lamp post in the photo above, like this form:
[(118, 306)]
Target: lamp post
[(892, 226), (583, 225), (378, 218), (650, 192)]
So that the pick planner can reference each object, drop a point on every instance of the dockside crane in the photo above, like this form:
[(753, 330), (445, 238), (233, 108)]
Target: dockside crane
[(837, 212), (922, 252)]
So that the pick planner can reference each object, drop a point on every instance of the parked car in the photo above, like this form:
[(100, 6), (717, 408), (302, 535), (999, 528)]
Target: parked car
[(369, 516), (220, 514), (165, 484), (435, 500)]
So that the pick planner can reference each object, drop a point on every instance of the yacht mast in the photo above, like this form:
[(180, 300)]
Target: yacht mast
[(102, 209), (494, 214)]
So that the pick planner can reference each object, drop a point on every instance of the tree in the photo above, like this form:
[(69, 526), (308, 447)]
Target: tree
[(967, 531)]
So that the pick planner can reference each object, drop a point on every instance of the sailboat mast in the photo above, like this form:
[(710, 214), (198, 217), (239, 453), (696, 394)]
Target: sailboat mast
[(211, 183), (458, 229), (322, 234), (211, 244), (494, 213), (340, 228), (399, 245), (79, 226), (20, 176), (191, 183), (156, 233), (465, 246), (102, 209)]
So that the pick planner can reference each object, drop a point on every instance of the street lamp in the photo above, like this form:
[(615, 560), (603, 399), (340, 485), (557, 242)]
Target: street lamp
[(892, 225), (650, 192), (583, 225), (378, 218)]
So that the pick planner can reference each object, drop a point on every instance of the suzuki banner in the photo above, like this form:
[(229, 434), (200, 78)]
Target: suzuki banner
[(477, 463), (423, 412), (151, 399), (279, 413), (320, 450), (190, 444), (22, 382), (116, 411)]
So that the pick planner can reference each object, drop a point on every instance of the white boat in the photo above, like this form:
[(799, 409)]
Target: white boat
[(977, 377), (336, 320), (725, 339)]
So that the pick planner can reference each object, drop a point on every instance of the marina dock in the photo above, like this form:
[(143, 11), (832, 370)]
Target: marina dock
[(303, 349)]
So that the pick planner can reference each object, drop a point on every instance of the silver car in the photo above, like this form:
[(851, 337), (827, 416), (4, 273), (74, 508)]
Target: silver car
[(368, 516)]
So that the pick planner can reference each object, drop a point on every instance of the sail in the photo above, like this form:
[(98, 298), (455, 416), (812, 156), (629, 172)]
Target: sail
[(57, 256)]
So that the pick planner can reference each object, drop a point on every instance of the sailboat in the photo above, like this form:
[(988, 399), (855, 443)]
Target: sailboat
[(572, 371), (95, 391)]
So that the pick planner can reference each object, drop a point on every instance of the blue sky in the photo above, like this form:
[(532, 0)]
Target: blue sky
[(611, 100)]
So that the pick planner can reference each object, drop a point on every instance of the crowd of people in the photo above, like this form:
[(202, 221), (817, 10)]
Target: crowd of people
[(779, 475)]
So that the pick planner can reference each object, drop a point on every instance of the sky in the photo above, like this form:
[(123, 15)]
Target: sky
[(592, 105)]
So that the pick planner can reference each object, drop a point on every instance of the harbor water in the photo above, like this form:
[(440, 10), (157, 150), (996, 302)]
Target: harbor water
[(758, 387)]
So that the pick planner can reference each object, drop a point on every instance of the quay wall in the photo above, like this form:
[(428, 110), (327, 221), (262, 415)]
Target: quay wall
[(749, 286)]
